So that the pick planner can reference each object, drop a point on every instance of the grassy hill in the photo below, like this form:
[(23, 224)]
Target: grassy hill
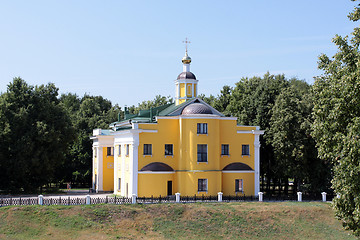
[(250, 220)]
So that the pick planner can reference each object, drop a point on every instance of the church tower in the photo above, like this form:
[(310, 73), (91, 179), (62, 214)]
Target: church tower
[(186, 83)]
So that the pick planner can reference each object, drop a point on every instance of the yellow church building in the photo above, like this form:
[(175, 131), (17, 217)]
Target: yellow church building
[(186, 147)]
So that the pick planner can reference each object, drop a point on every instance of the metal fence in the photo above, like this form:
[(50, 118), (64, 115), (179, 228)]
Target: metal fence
[(63, 200)]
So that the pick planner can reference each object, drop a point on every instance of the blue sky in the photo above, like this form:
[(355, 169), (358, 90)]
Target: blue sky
[(130, 51)]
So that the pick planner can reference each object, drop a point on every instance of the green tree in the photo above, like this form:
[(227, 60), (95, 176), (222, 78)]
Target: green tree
[(156, 102), (35, 136), (294, 148), (252, 101), (221, 102), (87, 113), (336, 123)]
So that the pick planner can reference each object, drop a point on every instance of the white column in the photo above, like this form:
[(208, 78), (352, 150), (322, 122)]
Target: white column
[(185, 90), (186, 67), (115, 169), (177, 197), (323, 196), (99, 180), (193, 89), (261, 196), (88, 199), (220, 194), (133, 200), (257, 163), (123, 184), (299, 196), (41, 199), (134, 165)]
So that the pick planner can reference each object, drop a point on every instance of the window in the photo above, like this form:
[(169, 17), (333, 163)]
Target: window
[(127, 149), (169, 150), (110, 151), (202, 185), (245, 150), (95, 152), (147, 149), (202, 128), (119, 184), (119, 150), (202, 153), (224, 149), (239, 185)]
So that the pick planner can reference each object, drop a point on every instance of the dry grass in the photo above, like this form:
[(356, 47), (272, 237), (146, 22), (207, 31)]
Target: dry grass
[(282, 220)]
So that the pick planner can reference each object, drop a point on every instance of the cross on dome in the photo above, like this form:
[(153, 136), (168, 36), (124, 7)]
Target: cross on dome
[(186, 59), (186, 43)]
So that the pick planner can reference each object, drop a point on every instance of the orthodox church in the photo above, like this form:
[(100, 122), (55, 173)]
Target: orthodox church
[(186, 147)]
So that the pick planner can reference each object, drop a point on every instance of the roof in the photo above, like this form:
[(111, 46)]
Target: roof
[(147, 116), (186, 75), (196, 108)]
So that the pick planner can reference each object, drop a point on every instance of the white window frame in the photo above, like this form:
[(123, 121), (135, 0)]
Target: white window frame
[(202, 128), (228, 150), (203, 180), (248, 150), (197, 155), (147, 149), (240, 185)]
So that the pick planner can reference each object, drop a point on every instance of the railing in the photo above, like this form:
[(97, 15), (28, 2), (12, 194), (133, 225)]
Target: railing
[(40, 200)]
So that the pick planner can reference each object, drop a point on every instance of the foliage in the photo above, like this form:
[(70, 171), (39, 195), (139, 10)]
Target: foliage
[(252, 101), (86, 113), (158, 101), (336, 125), (294, 148), (36, 132), (221, 102)]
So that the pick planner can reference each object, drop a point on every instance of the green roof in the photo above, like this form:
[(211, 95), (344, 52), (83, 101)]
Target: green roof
[(171, 109)]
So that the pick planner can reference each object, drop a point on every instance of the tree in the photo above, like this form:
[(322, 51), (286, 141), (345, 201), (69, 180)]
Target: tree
[(86, 113), (336, 122), (294, 148), (252, 101), (221, 102), (158, 101), (35, 137)]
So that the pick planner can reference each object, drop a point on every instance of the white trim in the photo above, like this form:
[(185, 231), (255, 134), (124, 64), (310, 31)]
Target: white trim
[(239, 171), (178, 81), (123, 184), (99, 170), (244, 131), (255, 132), (257, 163), (134, 131), (258, 132), (116, 168), (134, 165), (156, 172)]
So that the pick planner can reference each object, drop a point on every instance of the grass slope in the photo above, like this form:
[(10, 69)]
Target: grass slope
[(251, 220)]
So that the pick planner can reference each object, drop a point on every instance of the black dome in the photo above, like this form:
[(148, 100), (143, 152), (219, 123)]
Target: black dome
[(237, 166), (157, 167), (186, 75), (196, 108)]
